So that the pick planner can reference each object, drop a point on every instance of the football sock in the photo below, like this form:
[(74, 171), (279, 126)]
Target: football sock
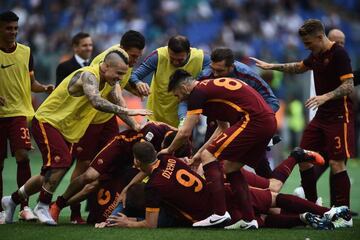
[(215, 182), (61, 202), (283, 171), (294, 204), (332, 196), (15, 196), (319, 170), (308, 182), (75, 209), (45, 196), (263, 169), (340, 186), (254, 180), (23, 174), (283, 221), (1, 184), (240, 190)]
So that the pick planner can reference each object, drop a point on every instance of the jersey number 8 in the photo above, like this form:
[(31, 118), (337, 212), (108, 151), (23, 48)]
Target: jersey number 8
[(228, 83)]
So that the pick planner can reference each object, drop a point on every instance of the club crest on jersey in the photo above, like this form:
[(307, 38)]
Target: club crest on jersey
[(149, 136), (326, 61)]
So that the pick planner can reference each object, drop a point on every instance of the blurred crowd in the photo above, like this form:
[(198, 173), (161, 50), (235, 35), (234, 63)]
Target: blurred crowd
[(266, 29)]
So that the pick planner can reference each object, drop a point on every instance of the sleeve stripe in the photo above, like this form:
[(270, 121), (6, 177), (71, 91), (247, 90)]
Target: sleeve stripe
[(152, 209), (346, 76), (196, 111)]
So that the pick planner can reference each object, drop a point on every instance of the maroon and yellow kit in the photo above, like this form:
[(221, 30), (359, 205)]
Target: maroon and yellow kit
[(174, 184), (332, 129), (106, 198), (95, 138), (118, 152), (231, 100)]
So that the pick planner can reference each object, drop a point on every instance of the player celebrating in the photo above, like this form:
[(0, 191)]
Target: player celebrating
[(17, 82), (62, 120), (241, 114), (331, 131)]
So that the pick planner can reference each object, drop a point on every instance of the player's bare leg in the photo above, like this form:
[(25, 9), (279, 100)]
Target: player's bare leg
[(80, 167), (51, 181), (24, 174), (84, 193), (9, 203), (75, 186)]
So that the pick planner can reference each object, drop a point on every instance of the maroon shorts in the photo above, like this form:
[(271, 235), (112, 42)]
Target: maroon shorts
[(254, 180), (94, 139), (55, 150), (335, 138), (16, 130), (245, 141)]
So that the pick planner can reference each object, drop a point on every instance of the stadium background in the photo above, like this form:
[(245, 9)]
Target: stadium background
[(266, 29)]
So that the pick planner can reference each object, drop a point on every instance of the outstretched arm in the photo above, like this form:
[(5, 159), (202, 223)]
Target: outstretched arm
[(151, 221), (183, 134), (91, 90), (295, 67), (38, 87), (118, 99)]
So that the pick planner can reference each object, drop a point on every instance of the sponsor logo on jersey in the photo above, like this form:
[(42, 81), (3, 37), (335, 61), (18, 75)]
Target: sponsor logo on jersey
[(6, 66)]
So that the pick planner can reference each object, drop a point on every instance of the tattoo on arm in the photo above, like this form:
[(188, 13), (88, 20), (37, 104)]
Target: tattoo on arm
[(74, 79), (91, 90), (343, 90), (117, 99), (296, 67)]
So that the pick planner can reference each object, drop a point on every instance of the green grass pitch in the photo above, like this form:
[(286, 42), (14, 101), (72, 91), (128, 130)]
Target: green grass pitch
[(66, 231)]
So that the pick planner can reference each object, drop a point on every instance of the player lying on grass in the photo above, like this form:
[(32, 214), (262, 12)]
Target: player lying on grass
[(174, 185), (116, 155)]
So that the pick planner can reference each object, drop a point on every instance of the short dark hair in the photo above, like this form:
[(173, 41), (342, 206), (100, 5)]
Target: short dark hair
[(77, 37), (144, 152), (177, 78), (119, 53), (184, 151), (222, 53), (311, 27), (132, 39), (179, 44), (8, 16)]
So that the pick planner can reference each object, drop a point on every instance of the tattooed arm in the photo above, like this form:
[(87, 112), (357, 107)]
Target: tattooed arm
[(117, 98), (296, 67), (343, 90), (91, 90)]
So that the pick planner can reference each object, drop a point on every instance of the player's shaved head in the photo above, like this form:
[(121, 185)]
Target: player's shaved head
[(337, 36), (114, 57)]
